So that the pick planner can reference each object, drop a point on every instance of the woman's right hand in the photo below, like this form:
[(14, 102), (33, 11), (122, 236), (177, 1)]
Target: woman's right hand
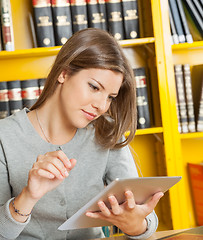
[(47, 173)]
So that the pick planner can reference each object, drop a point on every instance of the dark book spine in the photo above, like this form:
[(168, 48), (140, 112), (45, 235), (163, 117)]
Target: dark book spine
[(188, 35), (1, 45), (62, 21), (199, 7), (30, 92), (196, 34), (43, 23), (95, 17), (78, 15), (143, 118), (177, 20), (181, 98), (200, 113), (131, 19), (189, 97), (7, 26), (14, 96), (41, 82), (4, 104), (115, 18), (195, 15), (174, 34), (102, 11)]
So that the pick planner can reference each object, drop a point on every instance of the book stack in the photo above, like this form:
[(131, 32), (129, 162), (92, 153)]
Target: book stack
[(6, 26), (143, 113), (15, 95), (186, 20), (56, 20), (188, 120)]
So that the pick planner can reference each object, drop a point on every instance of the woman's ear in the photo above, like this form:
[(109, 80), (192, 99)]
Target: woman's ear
[(61, 77)]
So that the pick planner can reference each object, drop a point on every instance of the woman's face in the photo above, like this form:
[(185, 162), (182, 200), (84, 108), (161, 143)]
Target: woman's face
[(87, 95)]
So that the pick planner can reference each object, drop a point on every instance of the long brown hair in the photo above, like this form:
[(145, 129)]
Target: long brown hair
[(95, 48)]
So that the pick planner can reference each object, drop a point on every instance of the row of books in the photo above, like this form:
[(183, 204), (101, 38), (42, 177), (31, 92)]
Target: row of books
[(15, 95), (56, 20), (189, 120), (186, 20)]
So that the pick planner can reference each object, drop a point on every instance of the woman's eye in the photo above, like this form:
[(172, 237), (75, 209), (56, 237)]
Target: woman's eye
[(111, 98), (93, 86)]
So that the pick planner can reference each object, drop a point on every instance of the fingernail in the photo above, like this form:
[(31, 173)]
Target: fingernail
[(131, 205), (66, 173), (111, 198), (88, 214)]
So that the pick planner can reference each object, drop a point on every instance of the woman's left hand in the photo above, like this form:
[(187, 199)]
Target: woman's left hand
[(129, 216)]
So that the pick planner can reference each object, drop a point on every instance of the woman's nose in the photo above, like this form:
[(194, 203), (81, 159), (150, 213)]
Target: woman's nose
[(101, 104)]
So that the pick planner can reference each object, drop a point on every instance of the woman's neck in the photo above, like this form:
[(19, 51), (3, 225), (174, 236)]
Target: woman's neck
[(51, 125)]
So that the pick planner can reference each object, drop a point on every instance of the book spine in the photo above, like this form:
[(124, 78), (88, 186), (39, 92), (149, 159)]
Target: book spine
[(191, 24), (178, 115), (199, 7), (62, 21), (43, 23), (14, 96), (41, 82), (143, 118), (29, 92), (196, 180), (1, 45), (189, 97), (177, 20), (7, 25), (102, 11), (175, 39), (181, 98), (131, 19), (32, 28), (188, 35), (78, 14), (115, 18), (4, 104), (95, 17), (195, 15), (200, 113)]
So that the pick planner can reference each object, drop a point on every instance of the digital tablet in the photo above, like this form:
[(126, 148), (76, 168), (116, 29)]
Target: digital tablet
[(142, 187)]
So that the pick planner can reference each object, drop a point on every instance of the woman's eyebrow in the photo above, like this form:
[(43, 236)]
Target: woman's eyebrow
[(102, 86)]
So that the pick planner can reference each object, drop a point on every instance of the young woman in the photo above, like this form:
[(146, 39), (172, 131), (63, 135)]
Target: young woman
[(57, 156)]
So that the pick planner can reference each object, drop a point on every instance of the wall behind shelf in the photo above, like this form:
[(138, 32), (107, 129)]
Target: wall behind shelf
[(21, 25)]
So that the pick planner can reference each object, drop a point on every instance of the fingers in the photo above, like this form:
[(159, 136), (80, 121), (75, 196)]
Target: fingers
[(130, 199), (115, 208), (154, 200), (61, 156), (54, 164)]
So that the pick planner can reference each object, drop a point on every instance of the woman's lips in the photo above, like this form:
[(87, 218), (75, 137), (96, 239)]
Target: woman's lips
[(88, 115)]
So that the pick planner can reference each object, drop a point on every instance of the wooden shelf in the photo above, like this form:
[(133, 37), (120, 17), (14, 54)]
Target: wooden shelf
[(146, 131), (136, 42), (30, 53), (185, 46), (191, 135), (149, 131)]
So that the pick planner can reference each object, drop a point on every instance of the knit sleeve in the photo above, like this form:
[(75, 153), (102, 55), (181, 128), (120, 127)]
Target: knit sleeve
[(152, 224), (9, 227)]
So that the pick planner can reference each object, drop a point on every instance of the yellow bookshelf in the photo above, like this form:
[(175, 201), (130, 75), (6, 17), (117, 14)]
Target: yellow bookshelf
[(160, 150)]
